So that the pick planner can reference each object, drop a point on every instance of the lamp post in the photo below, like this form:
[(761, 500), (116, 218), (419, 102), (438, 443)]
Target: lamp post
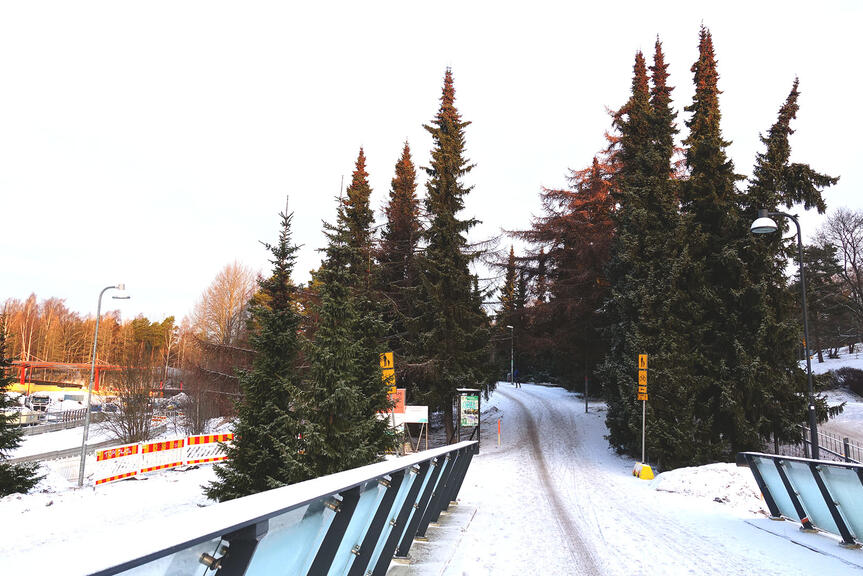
[(511, 354), (764, 224), (92, 372)]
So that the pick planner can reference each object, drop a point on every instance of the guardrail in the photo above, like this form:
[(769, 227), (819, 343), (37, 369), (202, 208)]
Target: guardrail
[(72, 452), (821, 495), (351, 523)]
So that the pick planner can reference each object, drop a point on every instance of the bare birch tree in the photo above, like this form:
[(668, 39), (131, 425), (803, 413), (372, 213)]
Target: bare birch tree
[(221, 313), (844, 229)]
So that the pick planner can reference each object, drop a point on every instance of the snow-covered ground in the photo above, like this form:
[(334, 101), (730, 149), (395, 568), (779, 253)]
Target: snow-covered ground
[(845, 359), (551, 499), (850, 422)]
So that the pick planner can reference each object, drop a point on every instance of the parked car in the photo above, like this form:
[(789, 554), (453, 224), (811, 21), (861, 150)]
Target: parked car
[(37, 402)]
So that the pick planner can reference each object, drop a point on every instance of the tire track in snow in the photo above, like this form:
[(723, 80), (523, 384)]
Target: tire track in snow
[(580, 552)]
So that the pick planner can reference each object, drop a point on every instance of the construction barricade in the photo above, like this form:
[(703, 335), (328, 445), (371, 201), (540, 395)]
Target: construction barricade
[(161, 455), (205, 448), (126, 461), (117, 463)]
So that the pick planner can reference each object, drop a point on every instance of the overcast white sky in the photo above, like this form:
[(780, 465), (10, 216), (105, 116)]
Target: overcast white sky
[(154, 142)]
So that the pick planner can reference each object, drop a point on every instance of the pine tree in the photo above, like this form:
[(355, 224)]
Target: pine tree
[(267, 451), (345, 393), (14, 478), (454, 334)]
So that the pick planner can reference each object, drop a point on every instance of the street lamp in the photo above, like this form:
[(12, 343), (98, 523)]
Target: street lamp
[(92, 371), (511, 354), (764, 224)]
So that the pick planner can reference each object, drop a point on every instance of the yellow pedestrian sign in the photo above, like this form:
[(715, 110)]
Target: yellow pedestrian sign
[(388, 372), (642, 361)]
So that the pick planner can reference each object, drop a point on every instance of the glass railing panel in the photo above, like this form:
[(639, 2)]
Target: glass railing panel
[(180, 563), (399, 501), (292, 540), (777, 489), (801, 478), (847, 490), (414, 510), (371, 495)]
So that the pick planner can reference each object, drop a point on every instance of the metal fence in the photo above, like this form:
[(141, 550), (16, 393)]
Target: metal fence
[(830, 446)]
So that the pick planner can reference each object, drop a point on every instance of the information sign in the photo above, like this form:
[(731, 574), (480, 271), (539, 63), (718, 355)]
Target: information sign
[(469, 410)]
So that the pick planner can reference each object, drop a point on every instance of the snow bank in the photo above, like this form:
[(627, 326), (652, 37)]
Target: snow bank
[(722, 482)]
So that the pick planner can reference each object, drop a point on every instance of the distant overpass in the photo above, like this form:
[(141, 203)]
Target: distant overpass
[(28, 386)]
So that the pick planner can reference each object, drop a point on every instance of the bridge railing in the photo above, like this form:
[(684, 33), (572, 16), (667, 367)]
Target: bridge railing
[(351, 523), (820, 494)]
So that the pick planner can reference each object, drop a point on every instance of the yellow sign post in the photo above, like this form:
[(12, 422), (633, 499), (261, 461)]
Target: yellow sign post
[(642, 470), (388, 372)]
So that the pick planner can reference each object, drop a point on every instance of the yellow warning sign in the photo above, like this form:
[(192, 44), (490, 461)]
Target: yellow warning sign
[(642, 397), (642, 377), (642, 361), (387, 360)]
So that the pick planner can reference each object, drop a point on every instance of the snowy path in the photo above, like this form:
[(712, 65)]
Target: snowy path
[(553, 499)]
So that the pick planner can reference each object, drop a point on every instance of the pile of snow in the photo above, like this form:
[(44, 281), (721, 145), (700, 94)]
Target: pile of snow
[(722, 482)]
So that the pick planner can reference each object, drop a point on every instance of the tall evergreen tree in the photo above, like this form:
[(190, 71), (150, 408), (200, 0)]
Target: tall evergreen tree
[(541, 288), (646, 311), (14, 478), (508, 291), (267, 452), (398, 275), (345, 392), (775, 397), (358, 218), (454, 333)]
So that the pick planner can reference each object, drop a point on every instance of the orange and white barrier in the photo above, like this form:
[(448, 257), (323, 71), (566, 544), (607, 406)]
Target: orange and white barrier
[(126, 461), (117, 463), (205, 448), (161, 455)]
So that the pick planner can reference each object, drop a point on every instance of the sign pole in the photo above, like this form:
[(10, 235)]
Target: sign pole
[(643, 426), (642, 395)]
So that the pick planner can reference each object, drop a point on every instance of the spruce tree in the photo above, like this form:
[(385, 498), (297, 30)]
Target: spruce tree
[(647, 311), (398, 275), (268, 451), (775, 396), (508, 291), (14, 478), (358, 217), (454, 331), (345, 393)]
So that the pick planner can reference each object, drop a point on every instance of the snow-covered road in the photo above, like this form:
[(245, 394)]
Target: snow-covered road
[(553, 499)]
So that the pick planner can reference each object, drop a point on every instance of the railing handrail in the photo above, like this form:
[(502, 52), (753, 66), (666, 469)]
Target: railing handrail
[(118, 552)]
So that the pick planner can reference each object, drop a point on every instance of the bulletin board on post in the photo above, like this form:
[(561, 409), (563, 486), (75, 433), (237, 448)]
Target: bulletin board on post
[(469, 424)]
